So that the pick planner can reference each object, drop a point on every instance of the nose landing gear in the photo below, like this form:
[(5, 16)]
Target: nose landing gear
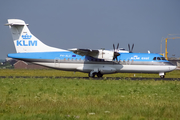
[(161, 74)]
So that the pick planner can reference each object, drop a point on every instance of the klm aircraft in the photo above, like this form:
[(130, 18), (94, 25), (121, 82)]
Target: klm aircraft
[(94, 62)]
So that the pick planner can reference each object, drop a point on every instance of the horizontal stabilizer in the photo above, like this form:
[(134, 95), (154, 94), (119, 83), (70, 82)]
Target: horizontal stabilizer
[(15, 22)]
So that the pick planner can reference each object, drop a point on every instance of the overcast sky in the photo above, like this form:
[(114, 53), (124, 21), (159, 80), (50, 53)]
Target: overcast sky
[(95, 24)]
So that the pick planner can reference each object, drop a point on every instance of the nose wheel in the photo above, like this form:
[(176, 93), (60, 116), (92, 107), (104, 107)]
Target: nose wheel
[(162, 75)]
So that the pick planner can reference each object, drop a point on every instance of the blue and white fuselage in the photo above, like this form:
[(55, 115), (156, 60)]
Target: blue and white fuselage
[(94, 62), (126, 62)]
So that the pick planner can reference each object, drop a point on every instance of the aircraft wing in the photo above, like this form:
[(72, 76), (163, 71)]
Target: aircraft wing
[(84, 52), (99, 54)]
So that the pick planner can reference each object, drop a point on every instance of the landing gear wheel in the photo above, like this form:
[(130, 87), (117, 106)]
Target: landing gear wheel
[(162, 76), (99, 75), (93, 75)]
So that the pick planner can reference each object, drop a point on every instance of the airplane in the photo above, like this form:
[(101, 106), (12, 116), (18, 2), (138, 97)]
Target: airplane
[(94, 62)]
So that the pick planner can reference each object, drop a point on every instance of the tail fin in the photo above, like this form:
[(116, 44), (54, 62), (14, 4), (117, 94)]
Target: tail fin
[(24, 41)]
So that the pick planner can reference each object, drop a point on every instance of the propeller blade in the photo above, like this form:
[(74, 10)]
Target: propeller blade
[(115, 53), (117, 46), (130, 50), (114, 47), (129, 47), (132, 47)]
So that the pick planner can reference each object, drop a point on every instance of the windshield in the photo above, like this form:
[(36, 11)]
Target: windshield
[(159, 58)]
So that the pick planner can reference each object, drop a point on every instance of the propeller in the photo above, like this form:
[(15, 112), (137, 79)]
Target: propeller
[(130, 50), (115, 51)]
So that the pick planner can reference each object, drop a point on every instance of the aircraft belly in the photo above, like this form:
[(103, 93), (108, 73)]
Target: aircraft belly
[(70, 66), (104, 68), (47, 64), (146, 68), (61, 66), (110, 68)]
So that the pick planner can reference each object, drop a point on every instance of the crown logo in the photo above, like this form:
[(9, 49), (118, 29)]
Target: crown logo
[(26, 36)]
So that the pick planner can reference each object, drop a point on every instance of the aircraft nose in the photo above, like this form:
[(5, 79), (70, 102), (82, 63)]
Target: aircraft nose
[(173, 67)]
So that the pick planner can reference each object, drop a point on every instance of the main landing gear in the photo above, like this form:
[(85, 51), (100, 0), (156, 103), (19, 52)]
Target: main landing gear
[(93, 74)]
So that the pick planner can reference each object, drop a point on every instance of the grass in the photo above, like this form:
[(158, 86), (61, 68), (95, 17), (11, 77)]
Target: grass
[(72, 99), (52, 72)]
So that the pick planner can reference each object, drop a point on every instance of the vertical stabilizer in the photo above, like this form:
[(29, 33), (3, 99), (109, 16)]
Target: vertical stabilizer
[(24, 41)]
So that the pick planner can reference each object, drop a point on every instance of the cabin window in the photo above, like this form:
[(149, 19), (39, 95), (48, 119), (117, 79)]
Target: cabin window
[(154, 58)]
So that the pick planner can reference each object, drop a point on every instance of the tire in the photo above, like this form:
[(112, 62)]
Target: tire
[(99, 75), (162, 76), (93, 75)]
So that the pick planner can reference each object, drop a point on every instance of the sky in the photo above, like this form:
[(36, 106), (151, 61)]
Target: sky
[(95, 24)]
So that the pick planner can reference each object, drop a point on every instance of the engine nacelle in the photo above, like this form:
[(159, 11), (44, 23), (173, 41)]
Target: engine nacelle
[(106, 55)]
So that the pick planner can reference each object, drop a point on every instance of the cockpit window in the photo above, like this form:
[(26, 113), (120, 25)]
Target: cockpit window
[(158, 58), (163, 58)]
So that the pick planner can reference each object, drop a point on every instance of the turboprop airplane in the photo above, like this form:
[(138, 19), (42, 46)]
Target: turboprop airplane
[(94, 62)]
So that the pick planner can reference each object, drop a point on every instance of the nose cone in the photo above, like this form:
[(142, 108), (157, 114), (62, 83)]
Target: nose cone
[(173, 67)]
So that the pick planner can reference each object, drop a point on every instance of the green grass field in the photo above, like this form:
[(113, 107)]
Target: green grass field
[(72, 99), (59, 73)]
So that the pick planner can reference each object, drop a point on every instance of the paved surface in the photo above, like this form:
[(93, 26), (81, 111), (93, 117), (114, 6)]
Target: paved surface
[(104, 78)]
